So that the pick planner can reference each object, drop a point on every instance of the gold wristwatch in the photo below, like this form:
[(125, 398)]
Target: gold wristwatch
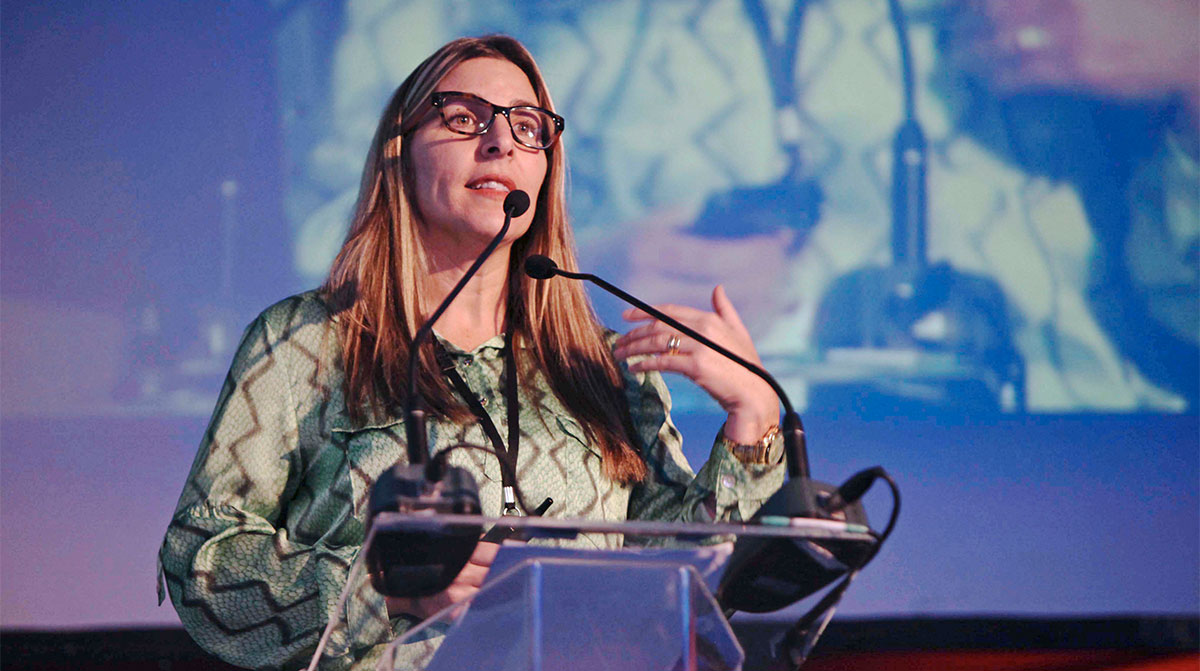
[(765, 451)]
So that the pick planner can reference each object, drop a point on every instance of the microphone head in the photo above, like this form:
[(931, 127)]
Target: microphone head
[(515, 203), (540, 267)]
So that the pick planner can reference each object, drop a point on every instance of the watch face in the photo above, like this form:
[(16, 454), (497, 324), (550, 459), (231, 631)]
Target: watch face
[(772, 446), (770, 453)]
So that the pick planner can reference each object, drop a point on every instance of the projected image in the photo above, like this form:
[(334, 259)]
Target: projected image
[(978, 217), (761, 146)]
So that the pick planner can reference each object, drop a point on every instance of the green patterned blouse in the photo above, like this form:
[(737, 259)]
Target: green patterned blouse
[(273, 511)]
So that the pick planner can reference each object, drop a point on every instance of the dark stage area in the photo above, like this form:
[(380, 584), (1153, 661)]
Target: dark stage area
[(950, 644)]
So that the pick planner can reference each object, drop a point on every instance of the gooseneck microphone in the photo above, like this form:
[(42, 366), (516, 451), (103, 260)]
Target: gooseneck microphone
[(541, 268), (762, 574), (515, 204), (414, 563)]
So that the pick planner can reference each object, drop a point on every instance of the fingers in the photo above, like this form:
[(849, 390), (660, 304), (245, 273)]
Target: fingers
[(648, 339), (724, 307), (652, 338), (730, 385), (682, 313), (472, 575), (724, 325), (484, 553), (667, 363), (641, 332), (478, 565), (652, 343)]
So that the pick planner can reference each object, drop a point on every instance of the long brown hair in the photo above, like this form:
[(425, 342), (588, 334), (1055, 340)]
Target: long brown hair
[(380, 274)]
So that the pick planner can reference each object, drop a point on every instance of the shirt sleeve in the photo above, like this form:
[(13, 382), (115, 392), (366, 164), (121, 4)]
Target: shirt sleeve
[(724, 490), (244, 589)]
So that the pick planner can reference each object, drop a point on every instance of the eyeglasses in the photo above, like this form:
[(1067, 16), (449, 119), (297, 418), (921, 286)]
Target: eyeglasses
[(469, 114)]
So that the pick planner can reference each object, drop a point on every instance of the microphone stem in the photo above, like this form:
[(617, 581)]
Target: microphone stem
[(414, 414), (795, 445)]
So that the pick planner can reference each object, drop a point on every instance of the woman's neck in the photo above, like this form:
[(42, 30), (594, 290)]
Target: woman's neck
[(477, 313)]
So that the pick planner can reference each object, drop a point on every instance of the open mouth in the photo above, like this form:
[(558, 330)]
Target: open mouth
[(491, 183)]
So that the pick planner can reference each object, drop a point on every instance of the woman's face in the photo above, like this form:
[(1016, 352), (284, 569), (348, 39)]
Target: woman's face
[(461, 180)]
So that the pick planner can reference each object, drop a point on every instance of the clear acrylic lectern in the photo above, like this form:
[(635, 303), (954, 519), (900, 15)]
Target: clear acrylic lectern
[(547, 608)]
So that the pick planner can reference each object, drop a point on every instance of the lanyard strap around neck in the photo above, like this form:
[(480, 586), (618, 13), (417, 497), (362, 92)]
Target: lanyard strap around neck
[(507, 456)]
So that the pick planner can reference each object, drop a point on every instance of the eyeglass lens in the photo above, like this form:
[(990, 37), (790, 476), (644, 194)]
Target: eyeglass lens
[(531, 126)]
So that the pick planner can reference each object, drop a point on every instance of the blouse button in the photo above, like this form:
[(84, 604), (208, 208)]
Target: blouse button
[(727, 481)]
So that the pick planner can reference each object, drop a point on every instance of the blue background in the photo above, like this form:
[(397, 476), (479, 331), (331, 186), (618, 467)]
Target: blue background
[(162, 164)]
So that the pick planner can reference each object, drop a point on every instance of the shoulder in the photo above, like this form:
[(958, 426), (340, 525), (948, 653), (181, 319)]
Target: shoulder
[(296, 317), (291, 331), (292, 346)]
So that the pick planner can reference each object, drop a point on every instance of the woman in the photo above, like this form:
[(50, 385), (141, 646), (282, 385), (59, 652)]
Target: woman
[(273, 512)]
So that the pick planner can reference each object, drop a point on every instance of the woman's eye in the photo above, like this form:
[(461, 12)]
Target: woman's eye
[(526, 128), (460, 118)]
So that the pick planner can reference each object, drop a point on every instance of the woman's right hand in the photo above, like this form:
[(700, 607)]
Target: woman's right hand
[(465, 585)]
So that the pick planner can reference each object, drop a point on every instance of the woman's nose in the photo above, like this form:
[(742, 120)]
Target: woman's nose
[(498, 139)]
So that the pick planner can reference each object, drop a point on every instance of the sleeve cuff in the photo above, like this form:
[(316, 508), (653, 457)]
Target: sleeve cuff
[(740, 488)]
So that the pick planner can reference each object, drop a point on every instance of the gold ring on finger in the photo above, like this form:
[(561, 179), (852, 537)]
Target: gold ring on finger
[(673, 345)]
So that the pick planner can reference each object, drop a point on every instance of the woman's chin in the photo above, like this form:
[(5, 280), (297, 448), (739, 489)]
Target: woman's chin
[(470, 235)]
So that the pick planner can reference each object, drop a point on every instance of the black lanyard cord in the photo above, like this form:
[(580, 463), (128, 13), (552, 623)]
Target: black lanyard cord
[(506, 456)]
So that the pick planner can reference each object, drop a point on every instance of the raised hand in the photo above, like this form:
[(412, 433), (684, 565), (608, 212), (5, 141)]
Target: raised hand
[(752, 406)]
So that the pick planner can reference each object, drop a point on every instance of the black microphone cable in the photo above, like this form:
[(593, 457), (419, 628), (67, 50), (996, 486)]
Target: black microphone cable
[(798, 641)]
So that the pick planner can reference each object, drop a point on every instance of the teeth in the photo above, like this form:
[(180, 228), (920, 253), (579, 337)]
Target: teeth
[(490, 184)]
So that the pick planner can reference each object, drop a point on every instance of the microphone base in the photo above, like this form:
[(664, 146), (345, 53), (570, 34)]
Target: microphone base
[(765, 575), (421, 562)]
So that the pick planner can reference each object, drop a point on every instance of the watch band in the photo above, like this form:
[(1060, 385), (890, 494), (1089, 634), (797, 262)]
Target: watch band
[(759, 452)]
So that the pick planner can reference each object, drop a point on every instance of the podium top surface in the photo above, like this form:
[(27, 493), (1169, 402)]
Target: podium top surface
[(553, 527)]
